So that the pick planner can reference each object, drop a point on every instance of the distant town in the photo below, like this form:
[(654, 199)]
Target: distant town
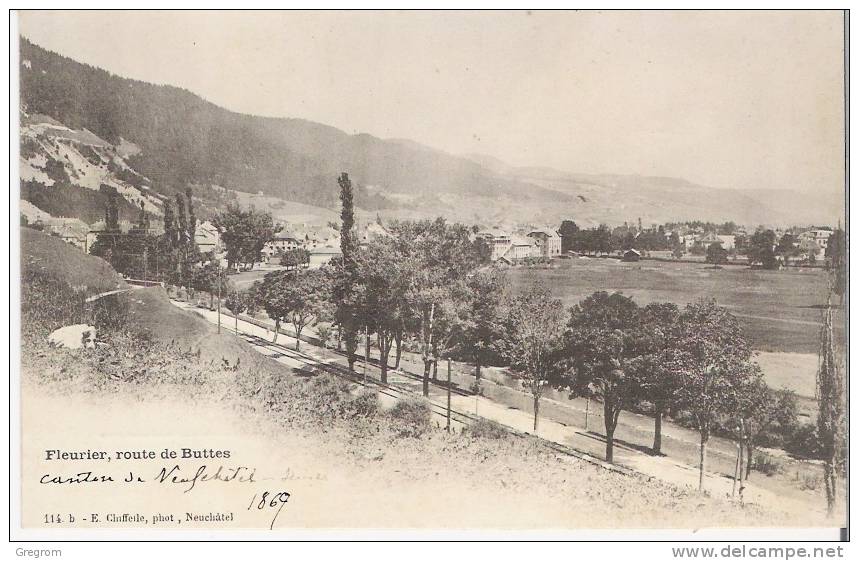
[(726, 243)]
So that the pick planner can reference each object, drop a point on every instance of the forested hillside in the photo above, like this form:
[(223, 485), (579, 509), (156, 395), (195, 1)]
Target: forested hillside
[(185, 139), (168, 138)]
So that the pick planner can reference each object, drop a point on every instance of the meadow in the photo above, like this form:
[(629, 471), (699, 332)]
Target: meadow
[(780, 311)]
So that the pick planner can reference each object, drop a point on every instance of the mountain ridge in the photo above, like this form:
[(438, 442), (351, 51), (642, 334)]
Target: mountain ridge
[(183, 139)]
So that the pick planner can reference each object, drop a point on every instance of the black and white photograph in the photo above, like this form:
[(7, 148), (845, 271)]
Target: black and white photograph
[(429, 273)]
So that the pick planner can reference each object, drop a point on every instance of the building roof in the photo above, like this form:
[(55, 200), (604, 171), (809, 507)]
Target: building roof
[(521, 241), (327, 250), (548, 232), (493, 232), (284, 236)]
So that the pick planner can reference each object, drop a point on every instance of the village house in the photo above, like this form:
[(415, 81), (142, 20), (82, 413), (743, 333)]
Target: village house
[(498, 241), (548, 242), (322, 255), (282, 242), (372, 231), (811, 250), (819, 236), (520, 248), (632, 255), (728, 242), (689, 239), (707, 240), (207, 237)]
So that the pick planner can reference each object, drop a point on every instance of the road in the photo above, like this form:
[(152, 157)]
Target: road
[(586, 443), (95, 297)]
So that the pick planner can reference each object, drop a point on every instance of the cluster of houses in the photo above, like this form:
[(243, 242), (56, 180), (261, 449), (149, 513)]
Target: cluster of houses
[(690, 240), (810, 243), (543, 243), (814, 242), (323, 242)]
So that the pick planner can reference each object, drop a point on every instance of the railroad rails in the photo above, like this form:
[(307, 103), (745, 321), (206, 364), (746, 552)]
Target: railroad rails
[(397, 392)]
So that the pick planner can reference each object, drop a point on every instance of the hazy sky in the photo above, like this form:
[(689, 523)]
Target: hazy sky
[(727, 99)]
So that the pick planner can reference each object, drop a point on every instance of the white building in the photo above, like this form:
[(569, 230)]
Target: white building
[(281, 243), (728, 242), (322, 255), (520, 248), (820, 236), (548, 242), (498, 241), (207, 237)]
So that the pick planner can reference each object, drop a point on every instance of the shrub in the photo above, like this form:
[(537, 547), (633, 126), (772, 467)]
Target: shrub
[(716, 254), (766, 465), (488, 429), (804, 442), (411, 417), (363, 405), (321, 399), (807, 481)]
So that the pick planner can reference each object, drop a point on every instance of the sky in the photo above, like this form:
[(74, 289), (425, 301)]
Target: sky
[(740, 100)]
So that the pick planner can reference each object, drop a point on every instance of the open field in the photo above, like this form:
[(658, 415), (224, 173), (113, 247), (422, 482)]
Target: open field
[(780, 310)]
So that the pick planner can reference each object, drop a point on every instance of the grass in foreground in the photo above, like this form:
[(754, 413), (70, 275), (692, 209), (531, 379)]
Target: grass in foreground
[(403, 445)]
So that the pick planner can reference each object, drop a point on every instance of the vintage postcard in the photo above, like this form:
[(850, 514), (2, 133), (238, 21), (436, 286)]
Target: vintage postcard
[(522, 272)]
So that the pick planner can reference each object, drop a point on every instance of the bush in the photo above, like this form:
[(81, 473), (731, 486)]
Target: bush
[(411, 417), (766, 465), (363, 405), (321, 399), (804, 442), (808, 481), (488, 429), (716, 254)]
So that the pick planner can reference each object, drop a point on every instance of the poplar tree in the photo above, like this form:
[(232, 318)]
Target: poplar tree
[(346, 285), (830, 398)]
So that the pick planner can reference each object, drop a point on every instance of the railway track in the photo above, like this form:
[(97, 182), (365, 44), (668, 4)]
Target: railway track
[(365, 381), (395, 392)]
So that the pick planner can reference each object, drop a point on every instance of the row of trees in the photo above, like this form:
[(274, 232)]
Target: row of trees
[(422, 284), (171, 254), (142, 251), (658, 357), (763, 248), (425, 285), (603, 239)]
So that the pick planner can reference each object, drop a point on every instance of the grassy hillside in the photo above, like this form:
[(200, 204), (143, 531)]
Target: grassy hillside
[(56, 276), (54, 257)]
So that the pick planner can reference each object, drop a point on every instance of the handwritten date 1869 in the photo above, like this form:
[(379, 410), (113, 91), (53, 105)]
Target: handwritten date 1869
[(269, 500)]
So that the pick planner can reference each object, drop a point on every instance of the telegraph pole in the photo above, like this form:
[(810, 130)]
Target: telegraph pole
[(448, 394), (219, 298), (587, 411), (366, 350)]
